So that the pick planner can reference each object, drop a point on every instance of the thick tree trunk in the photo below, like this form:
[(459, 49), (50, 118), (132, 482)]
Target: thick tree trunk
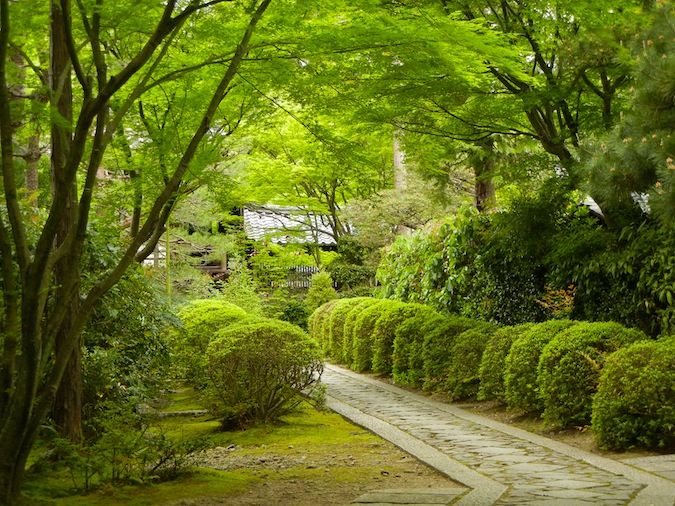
[(483, 164), (67, 411)]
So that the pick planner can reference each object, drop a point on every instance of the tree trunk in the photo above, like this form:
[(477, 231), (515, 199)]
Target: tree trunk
[(483, 163), (67, 410)]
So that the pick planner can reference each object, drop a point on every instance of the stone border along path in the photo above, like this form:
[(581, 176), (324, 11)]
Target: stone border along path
[(500, 464)]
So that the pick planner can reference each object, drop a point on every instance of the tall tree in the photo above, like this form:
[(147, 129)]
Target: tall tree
[(41, 276)]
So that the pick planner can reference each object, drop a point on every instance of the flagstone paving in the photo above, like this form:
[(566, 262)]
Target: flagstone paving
[(498, 463)]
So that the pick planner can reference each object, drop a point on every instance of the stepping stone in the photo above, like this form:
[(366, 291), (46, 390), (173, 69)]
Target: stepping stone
[(410, 496)]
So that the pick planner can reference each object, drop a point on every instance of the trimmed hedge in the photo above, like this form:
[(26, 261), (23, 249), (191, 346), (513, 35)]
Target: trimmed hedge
[(521, 390), (635, 402), (363, 333), (407, 360), (257, 372), (491, 370), (385, 332), (348, 331), (317, 323), (570, 365), (437, 348), (201, 318), (336, 324), (463, 366)]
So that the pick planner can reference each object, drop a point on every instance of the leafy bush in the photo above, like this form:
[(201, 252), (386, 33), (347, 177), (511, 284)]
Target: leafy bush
[(336, 326), (258, 371), (491, 371), (362, 337), (201, 319), (635, 401), (437, 348), (407, 360), (320, 291), (240, 290), (570, 366), (384, 333), (348, 330), (520, 367), (318, 321), (463, 366)]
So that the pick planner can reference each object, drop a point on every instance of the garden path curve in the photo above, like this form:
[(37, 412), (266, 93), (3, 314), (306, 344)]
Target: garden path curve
[(499, 464)]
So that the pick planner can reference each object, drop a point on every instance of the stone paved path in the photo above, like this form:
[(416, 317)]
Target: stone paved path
[(499, 463)]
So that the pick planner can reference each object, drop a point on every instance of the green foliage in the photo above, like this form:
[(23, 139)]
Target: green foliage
[(462, 378), (521, 390), (202, 319), (384, 334), (287, 306), (569, 369), (407, 359), (350, 322), (437, 348), (362, 337), (336, 326), (258, 371), (492, 367), (635, 401), (240, 290), (320, 291), (317, 324)]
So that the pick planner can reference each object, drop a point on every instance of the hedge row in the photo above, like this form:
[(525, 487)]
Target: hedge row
[(554, 369)]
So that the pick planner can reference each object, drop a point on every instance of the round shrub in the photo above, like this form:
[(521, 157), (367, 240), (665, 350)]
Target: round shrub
[(570, 365), (317, 324), (407, 361), (385, 332), (437, 346), (348, 330), (520, 367), (258, 371), (491, 372), (635, 401), (362, 337), (201, 319), (336, 325), (462, 373)]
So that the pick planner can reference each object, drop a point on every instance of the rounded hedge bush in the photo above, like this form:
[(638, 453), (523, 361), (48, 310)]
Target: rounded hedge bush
[(317, 323), (258, 371), (201, 319), (385, 332), (437, 347), (520, 367), (336, 325), (635, 402), (570, 365), (362, 336), (407, 361), (491, 372), (464, 364), (348, 331)]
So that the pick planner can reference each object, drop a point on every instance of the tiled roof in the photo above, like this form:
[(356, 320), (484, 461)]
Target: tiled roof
[(283, 225)]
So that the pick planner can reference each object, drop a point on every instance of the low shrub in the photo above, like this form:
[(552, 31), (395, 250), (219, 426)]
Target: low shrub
[(520, 367), (462, 378), (317, 324), (362, 337), (348, 331), (437, 346), (407, 361), (336, 326), (201, 319), (257, 372), (570, 365), (491, 370), (385, 332), (635, 401)]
